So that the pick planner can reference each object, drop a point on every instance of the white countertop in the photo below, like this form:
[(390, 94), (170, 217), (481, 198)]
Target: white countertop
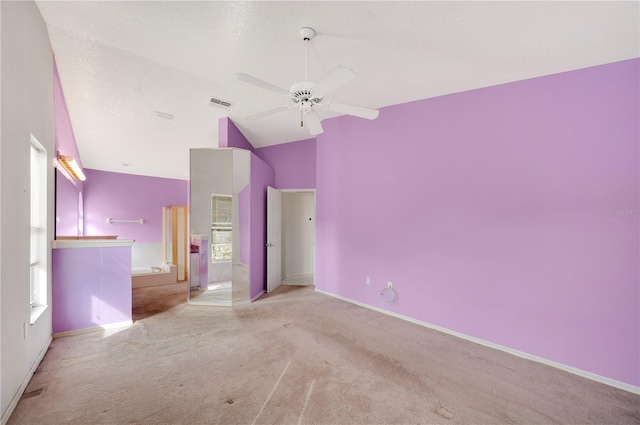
[(91, 243)]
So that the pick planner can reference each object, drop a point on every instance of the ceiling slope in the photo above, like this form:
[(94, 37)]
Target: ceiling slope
[(120, 62)]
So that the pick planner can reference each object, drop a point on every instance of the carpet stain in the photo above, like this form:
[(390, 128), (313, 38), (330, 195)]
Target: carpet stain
[(368, 376), (288, 325), (444, 411), (33, 393)]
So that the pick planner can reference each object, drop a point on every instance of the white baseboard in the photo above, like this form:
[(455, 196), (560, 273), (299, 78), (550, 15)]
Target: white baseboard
[(18, 395), (583, 373), (116, 325)]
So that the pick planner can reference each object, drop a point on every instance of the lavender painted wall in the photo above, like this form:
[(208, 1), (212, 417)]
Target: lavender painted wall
[(244, 223), (230, 137), (128, 196), (66, 190), (508, 213), (262, 175), (66, 206), (64, 138), (91, 287), (294, 163)]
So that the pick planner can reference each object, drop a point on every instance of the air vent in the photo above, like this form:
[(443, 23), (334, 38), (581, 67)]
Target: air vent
[(163, 115), (221, 103)]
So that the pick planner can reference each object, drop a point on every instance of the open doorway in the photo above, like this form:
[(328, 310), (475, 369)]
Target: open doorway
[(298, 237), (290, 237)]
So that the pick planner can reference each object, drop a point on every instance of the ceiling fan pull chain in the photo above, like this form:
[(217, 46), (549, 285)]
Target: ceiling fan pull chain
[(301, 120)]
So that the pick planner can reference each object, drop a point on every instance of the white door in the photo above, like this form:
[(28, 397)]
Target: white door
[(274, 236)]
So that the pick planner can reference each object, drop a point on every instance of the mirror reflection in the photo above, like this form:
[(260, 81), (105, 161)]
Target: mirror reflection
[(219, 226)]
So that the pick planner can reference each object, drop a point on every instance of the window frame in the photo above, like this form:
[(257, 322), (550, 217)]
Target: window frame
[(38, 207), (226, 226)]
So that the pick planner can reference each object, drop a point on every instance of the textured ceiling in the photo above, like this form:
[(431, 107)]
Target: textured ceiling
[(120, 61)]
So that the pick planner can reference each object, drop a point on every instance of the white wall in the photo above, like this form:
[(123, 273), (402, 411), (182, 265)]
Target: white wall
[(298, 232), (27, 108), (2, 409), (147, 254)]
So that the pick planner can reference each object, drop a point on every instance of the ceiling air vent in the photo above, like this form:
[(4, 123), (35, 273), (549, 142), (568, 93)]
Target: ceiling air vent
[(221, 103), (163, 115)]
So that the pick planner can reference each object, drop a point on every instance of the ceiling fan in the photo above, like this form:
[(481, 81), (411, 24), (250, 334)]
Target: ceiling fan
[(308, 97)]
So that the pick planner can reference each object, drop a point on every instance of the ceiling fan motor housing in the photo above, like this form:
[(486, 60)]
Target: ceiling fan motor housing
[(303, 92)]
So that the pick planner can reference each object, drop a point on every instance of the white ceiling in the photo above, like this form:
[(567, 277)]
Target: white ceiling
[(119, 61)]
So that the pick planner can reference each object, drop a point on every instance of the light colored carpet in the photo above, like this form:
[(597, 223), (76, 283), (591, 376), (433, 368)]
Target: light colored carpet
[(216, 294), (148, 301), (300, 357)]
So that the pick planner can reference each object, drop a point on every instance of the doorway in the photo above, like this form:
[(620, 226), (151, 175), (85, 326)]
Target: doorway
[(298, 237), (291, 237)]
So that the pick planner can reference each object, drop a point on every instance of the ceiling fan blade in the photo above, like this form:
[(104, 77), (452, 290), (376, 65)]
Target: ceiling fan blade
[(262, 84), (356, 111), (267, 113), (313, 123), (334, 79)]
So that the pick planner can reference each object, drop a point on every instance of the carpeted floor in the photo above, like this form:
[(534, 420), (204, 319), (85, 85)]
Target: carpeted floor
[(217, 294), (149, 301), (300, 357)]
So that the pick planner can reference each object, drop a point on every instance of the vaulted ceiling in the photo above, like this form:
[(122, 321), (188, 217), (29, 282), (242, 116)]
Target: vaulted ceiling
[(122, 62)]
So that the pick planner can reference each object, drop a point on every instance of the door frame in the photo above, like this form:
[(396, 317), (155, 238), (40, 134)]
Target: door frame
[(315, 224)]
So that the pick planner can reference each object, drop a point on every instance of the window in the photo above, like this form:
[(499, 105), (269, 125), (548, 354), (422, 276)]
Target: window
[(220, 227), (38, 236)]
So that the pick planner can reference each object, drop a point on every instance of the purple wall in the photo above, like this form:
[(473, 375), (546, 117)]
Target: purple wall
[(91, 287), (65, 140), (262, 175), (230, 137), (508, 213), (66, 206), (244, 223), (128, 196), (294, 163)]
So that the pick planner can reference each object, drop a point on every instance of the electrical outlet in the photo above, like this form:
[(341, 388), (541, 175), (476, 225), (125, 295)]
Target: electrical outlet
[(389, 285), (367, 280), (25, 328)]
